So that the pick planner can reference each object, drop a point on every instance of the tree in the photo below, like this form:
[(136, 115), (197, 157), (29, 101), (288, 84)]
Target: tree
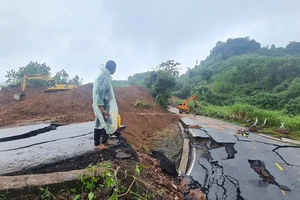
[(293, 48), (36, 69), (62, 76), (161, 82), (162, 87), (150, 80), (33, 68), (169, 66), (76, 81), (138, 79), (273, 47), (293, 106), (293, 90), (233, 47)]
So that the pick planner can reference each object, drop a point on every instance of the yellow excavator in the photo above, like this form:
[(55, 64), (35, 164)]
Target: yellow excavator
[(184, 107), (52, 85)]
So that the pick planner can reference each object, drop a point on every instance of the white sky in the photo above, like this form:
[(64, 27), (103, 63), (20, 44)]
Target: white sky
[(78, 35)]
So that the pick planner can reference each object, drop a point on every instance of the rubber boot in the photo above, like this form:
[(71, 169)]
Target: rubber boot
[(103, 136), (97, 134)]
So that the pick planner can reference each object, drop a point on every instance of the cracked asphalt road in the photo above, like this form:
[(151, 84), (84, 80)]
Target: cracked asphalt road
[(45, 147), (234, 167)]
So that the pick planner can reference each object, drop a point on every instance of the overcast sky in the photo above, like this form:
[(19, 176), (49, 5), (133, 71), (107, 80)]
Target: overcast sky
[(78, 35)]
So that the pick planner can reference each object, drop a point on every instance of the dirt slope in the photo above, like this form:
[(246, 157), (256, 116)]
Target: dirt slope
[(76, 106), (67, 107)]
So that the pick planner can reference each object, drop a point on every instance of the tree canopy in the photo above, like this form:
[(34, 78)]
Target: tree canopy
[(161, 82), (241, 71), (36, 69)]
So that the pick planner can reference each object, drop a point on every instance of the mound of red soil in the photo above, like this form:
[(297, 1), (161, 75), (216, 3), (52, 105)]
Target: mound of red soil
[(142, 124), (127, 96), (67, 107), (76, 106)]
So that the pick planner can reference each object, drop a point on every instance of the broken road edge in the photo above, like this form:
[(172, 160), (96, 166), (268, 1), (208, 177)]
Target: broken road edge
[(185, 167)]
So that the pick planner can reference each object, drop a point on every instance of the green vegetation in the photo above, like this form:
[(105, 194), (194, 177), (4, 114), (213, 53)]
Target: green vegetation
[(139, 103), (161, 81), (103, 181), (93, 183), (242, 79), (245, 114), (46, 194), (240, 71), (120, 83), (14, 78), (239, 78), (138, 79)]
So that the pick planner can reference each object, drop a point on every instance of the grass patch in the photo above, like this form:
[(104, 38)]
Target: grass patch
[(245, 115), (145, 149), (139, 103)]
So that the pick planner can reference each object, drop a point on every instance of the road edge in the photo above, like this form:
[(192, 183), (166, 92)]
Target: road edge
[(185, 152), (286, 140)]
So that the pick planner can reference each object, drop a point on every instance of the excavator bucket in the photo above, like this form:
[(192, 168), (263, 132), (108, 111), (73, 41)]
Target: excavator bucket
[(19, 97)]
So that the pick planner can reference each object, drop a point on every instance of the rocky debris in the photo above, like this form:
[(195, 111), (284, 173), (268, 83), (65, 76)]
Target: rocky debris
[(184, 186), (190, 188), (195, 194), (156, 174), (253, 128), (165, 164), (177, 188), (282, 130), (122, 155)]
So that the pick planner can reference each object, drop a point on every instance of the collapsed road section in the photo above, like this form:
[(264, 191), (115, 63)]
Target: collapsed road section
[(229, 166)]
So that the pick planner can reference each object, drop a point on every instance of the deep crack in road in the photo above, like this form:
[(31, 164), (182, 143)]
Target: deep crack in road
[(229, 166), (217, 183)]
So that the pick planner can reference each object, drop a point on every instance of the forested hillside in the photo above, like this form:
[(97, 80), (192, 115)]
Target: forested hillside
[(241, 71)]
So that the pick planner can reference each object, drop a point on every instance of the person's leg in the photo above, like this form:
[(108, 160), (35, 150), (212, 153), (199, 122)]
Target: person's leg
[(97, 133), (97, 137), (103, 136)]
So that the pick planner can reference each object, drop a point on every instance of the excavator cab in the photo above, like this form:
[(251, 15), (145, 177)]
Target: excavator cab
[(51, 83)]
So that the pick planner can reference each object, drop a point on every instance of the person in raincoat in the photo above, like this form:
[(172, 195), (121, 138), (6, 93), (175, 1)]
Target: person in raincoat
[(104, 105)]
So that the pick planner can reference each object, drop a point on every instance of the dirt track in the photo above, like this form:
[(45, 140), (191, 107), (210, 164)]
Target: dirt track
[(75, 106)]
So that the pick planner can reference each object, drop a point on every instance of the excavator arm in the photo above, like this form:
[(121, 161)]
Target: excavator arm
[(20, 96), (24, 82)]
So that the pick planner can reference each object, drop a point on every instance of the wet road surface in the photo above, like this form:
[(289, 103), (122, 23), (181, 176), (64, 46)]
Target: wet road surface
[(29, 146), (234, 167)]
